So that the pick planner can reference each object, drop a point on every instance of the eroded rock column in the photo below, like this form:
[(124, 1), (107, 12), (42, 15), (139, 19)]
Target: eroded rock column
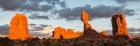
[(18, 27), (119, 25), (88, 30)]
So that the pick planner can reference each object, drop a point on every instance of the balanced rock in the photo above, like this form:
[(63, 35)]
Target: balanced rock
[(119, 25), (61, 33), (18, 27), (84, 16), (88, 30)]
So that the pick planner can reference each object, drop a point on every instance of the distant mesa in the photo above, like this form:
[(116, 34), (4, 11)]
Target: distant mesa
[(119, 25), (89, 32), (61, 33), (18, 27)]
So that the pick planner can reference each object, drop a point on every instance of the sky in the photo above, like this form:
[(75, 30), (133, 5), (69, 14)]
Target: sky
[(45, 15)]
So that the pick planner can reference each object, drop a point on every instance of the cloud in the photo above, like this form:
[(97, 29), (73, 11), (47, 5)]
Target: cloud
[(53, 2), (37, 16), (32, 28), (70, 14), (4, 29), (32, 24), (108, 11), (37, 27), (137, 18), (32, 5), (100, 11), (130, 30), (133, 29), (40, 30), (125, 1)]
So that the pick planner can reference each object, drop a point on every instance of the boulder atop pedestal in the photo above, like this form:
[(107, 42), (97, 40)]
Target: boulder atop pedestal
[(18, 27), (84, 16), (119, 25), (88, 30)]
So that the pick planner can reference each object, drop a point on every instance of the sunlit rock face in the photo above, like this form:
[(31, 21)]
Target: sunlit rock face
[(88, 30), (61, 33), (18, 27), (58, 32), (71, 34), (119, 25)]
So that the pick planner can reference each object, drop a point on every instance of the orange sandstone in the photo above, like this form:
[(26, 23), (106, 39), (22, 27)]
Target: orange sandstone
[(18, 27), (88, 30), (119, 25), (84, 15), (70, 34), (60, 33)]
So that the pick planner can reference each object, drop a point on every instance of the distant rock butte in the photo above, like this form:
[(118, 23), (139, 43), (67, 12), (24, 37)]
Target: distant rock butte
[(104, 33), (88, 31), (119, 25), (61, 33), (18, 27)]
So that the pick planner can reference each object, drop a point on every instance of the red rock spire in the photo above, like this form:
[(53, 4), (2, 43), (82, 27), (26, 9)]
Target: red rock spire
[(119, 25), (18, 27), (88, 30)]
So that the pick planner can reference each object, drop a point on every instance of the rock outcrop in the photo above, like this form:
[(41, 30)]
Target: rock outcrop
[(88, 30), (104, 33), (61, 33), (18, 27), (58, 33), (119, 25)]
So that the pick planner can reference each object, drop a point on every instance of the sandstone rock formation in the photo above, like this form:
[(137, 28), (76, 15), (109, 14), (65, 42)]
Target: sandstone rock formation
[(88, 30), (119, 25), (61, 33), (58, 32), (71, 34), (18, 27), (104, 33)]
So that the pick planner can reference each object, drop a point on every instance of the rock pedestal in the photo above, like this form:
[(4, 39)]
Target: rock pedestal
[(119, 25), (18, 27), (88, 30)]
